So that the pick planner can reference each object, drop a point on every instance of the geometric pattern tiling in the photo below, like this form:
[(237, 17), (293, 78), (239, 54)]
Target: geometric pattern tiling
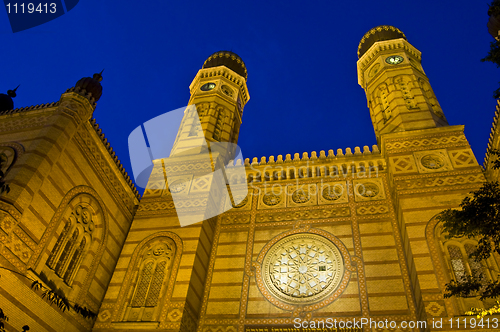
[(426, 142)]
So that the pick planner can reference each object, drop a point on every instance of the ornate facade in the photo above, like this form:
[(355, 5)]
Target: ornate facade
[(343, 235)]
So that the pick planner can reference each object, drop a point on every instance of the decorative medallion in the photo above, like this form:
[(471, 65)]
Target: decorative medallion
[(367, 189), (374, 70), (303, 268), (227, 90), (332, 193), (177, 186), (271, 199), (301, 196), (82, 214), (243, 201), (158, 250), (432, 161)]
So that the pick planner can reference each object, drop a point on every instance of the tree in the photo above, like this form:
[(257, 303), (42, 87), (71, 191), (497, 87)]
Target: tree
[(494, 53), (479, 219)]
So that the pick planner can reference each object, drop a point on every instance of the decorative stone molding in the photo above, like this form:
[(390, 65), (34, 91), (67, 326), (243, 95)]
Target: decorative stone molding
[(431, 161)]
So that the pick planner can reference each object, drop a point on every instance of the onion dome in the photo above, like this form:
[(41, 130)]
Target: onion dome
[(91, 85), (377, 34), (6, 102), (229, 59)]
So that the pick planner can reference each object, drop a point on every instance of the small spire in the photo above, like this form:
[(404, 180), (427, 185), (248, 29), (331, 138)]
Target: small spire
[(98, 76), (12, 93)]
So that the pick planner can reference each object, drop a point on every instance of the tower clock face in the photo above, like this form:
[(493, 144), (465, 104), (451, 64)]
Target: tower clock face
[(207, 86), (394, 59)]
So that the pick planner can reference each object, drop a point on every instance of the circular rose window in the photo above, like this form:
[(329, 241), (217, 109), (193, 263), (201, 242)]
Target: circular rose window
[(302, 268)]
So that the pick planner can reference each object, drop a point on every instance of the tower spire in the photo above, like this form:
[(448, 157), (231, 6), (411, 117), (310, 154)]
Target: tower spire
[(398, 91)]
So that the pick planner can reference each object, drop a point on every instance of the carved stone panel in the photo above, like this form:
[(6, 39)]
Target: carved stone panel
[(333, 193), (462, 158), (245, 202), (269, 198), (368, 189), (302, 195), (433, 161)]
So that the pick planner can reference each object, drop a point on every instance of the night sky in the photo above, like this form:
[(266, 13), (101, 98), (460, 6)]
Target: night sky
[(301, 60)]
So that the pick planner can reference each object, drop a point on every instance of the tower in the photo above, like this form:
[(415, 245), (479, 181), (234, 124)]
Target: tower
[(398, 92), (431, 166), (219, 93), (166, 264)]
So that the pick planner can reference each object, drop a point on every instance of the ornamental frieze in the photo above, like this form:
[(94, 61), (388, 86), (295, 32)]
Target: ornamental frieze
[(337, 212), (440, 181), (372, 209), (424, 143), (235, 219)]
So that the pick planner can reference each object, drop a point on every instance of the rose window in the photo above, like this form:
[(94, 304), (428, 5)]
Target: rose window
[(303, 268)]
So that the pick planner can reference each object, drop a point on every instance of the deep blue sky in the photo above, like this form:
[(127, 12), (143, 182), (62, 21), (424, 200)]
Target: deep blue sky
[(301, 60)]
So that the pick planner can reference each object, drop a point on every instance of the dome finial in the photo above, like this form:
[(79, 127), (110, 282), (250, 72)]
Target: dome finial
[(98, 76), (91, 85), (12, 93)]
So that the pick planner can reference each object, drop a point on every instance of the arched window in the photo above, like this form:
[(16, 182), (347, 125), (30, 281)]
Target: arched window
[(457, 253), (70, 247), (154, 270), (457, 262)]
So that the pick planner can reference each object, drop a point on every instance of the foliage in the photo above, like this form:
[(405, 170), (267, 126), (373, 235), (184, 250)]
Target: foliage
[(480, 313), (3, 319), (86, 313), (494, 56), (55, 297), (494, 53), (478, 218), (494, 8), (3, 186)]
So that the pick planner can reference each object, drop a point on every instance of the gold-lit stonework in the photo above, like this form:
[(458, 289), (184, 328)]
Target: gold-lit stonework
[(349, 233)]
